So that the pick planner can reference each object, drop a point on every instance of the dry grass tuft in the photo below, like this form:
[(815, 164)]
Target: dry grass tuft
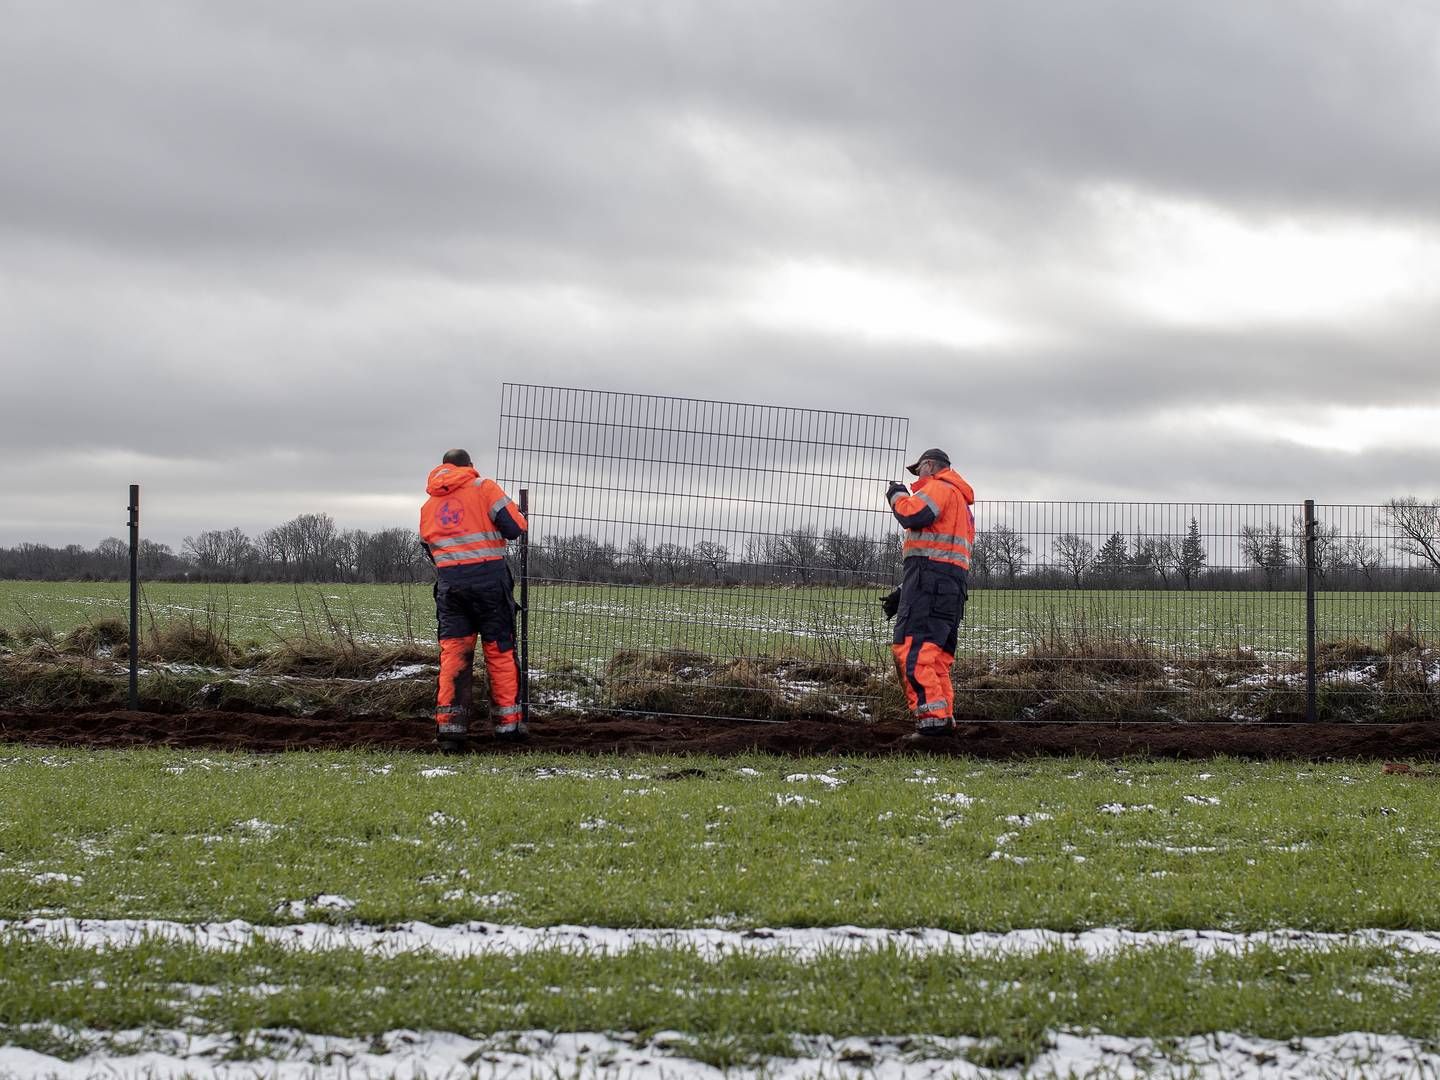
[(94, 637), (1113, 660), (340, 658), (188, 641)]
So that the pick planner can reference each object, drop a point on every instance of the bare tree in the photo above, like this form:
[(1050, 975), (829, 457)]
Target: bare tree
[(1328, 546), (1074, 554), (844, 553), (639, 558), (1156, 556), (795, 553), (713, 556), (1008, 551), (1419, 526), (1266, 548), (1359, 554), (113, 555), (219, 554), (673, 560)]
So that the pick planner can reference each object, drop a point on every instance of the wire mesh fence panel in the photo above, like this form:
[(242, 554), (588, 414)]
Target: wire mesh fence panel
[(1187, 611), (1377, 586), (715, 558), (703, 557)]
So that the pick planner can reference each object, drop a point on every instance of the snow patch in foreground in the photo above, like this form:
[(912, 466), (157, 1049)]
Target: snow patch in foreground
[(525, 1054), (478, 938)]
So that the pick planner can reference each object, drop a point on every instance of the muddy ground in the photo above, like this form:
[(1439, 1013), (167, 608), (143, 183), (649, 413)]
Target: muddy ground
[(626, 734)]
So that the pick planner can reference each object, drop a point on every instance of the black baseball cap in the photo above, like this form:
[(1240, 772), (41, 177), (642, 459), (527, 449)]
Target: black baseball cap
[(933, 454)]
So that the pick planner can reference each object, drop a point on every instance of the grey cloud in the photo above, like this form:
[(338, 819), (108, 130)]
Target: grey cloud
[(223, 223)]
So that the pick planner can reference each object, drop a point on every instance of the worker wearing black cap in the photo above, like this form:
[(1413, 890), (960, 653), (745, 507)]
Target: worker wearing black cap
[(939, 532)]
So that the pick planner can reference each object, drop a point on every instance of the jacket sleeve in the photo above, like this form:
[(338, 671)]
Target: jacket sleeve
[(914, 511), (504, 513)]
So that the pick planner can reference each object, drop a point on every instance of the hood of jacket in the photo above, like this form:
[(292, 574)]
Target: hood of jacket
[(445, 479), (951, 477)]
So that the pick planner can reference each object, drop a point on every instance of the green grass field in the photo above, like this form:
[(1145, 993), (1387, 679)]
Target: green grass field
[(373, 841), (587, 624)]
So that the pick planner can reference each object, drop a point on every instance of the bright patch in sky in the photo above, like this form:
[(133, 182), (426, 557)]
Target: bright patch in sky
[(1349, 430), (826, 298), (1185, 262)]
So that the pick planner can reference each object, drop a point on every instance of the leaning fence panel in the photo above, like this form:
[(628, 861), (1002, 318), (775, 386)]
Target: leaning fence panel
[(703, 557)]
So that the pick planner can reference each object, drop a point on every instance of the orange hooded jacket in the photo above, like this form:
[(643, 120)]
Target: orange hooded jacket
[(467, 519), (939, 523)]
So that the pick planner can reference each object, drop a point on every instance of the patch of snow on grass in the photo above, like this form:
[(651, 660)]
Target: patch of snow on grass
[(298, 909), (954, 798), (161, 1054), (820, 778), (406, 671), (795, 800), (57, 879)]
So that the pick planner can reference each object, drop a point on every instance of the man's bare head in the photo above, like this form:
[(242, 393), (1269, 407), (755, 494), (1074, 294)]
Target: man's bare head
[(457, 457)]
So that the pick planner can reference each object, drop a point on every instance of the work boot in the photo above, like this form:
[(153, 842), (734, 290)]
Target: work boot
[(512, 730), (935, 726), (450, 736)]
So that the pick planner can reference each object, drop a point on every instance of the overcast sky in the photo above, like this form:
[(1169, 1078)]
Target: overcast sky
[(274, 257)]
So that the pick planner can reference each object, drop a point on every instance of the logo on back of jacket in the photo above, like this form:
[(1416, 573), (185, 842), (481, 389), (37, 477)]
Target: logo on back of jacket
[(450, 513)]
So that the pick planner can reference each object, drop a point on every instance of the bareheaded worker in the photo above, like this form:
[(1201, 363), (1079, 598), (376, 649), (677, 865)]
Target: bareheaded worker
[(939, 531), (464, 525)]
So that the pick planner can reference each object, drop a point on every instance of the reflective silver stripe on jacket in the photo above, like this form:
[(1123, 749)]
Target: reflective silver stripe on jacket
[(926, 705), (937, 550), (461, 556), (468, 538), (500, 504), (920, 536), (926, 499)]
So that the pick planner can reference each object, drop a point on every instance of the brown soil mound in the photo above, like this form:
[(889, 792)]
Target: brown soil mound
[(618, 733)]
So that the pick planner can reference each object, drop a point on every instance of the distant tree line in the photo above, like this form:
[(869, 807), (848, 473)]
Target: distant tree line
[(1270, 556), (307, 548)]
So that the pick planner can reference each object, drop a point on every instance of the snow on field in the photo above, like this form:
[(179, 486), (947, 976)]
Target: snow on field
[(298, 909), (287, 1054), (820, 778), (801, 943)]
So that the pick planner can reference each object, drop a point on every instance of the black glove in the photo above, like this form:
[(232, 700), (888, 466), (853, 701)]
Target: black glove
[(890, 604), (896, 488)]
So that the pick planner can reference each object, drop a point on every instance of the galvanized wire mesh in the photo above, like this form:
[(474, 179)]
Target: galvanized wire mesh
[(1198, 611), (715, 558), (704, 557)]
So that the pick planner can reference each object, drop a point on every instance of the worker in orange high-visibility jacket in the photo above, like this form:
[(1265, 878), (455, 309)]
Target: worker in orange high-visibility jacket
[(939, 532), (464, 525)]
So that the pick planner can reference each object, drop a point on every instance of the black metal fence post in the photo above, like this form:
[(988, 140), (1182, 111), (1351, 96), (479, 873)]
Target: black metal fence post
[(134, 597), (525, 609), (1310, 687)]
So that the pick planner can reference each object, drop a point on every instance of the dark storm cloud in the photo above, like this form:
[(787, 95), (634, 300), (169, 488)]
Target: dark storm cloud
[(274, 256)]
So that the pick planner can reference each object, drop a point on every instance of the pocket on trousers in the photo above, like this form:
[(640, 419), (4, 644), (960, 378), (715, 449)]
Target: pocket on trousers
[(948, 598)]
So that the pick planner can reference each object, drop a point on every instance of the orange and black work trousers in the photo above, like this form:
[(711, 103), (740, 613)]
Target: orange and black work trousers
[(932, 602), (475, 602)]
